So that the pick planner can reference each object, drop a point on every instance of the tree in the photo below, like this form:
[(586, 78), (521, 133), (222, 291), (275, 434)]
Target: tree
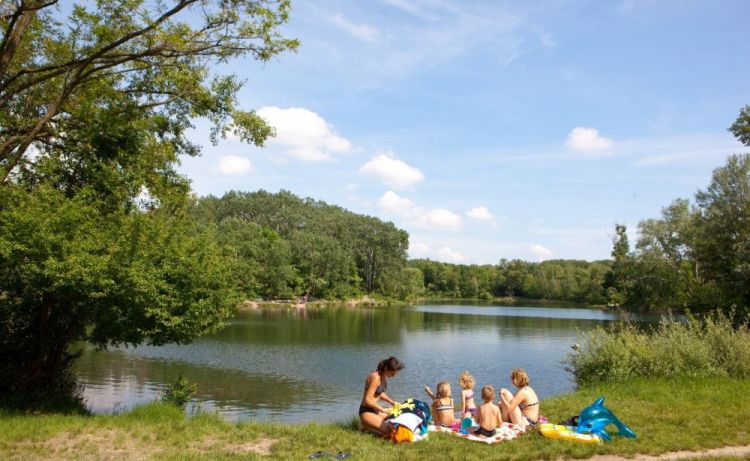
[(127, 55), (69, 273), (618, 280), (336, 253), (741, 127), (695, 257), (95, 243), (724, 229)]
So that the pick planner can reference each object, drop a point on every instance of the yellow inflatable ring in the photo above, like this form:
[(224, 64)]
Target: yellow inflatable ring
[(558, 432)]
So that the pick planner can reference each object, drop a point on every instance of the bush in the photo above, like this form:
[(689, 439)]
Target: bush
[(708, 347), (179, 392)]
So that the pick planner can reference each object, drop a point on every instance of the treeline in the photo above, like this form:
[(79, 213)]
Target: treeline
[(563, 280), (281, 246), (697, 255)]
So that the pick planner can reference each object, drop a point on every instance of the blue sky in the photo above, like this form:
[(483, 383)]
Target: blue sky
[(493, 129)]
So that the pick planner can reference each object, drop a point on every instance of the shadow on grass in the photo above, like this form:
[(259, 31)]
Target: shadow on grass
[(44, 403)]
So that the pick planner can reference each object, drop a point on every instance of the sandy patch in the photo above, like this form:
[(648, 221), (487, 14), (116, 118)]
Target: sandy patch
[(101, 444), (249, 305), (261, 446)]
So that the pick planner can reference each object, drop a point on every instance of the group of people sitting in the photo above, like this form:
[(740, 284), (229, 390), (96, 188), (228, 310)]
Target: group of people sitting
[(521, 408)]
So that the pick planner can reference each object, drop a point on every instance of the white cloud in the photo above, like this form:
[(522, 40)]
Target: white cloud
[(446, 254), (233, 165), (306, 134), (361, 31), (418, 250), (392, 171), (588, 140), (480, 213), (440, 217), (540, 252), (392, 203)]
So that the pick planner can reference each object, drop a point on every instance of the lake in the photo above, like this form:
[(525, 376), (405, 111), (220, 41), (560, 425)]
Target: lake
[(294, 365)]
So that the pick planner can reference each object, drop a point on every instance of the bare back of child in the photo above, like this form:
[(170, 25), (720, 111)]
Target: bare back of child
[(489, 416), (443, 408)]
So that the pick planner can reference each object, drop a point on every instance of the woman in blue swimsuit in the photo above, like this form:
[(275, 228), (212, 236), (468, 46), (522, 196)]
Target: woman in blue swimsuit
[(371, 414)]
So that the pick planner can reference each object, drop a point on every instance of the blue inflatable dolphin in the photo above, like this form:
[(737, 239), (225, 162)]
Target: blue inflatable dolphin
[(596, 417)]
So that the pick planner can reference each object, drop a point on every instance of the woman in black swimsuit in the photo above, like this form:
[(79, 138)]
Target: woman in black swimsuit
[(371, 414), (522, 408)]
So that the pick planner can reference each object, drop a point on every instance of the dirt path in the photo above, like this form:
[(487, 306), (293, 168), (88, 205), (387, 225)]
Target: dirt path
[(739, 452)]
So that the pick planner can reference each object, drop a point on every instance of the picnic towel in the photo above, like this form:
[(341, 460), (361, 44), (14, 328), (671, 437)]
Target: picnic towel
[(506, 431)]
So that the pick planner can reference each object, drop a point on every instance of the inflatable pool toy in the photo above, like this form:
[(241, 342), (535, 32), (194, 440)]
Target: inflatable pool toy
[(594, 418), (559, 432), (466, 424)]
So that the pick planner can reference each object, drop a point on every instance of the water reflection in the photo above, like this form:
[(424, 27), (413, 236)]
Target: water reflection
[(118, 380), (299, 365)]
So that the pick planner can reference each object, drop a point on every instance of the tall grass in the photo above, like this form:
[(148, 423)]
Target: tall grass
[(707, 347)]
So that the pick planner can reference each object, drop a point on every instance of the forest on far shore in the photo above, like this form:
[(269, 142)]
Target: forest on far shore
[(695, 256)]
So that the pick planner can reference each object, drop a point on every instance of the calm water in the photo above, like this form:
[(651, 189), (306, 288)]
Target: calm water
[(300, 365)]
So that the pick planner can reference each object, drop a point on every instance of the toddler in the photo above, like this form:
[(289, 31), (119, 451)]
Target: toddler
[(468, 407)]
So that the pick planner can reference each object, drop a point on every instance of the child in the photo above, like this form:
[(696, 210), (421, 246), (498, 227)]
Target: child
[(522, 408), (468, 407), (442, 404), (488, 414)]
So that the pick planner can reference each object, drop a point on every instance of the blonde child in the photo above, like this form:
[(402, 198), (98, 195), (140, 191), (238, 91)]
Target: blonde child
[(489, 416), (468, 407), (522, 408), (442, 404)]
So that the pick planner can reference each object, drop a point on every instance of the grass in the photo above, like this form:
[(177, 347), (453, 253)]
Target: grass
[(668, 415)]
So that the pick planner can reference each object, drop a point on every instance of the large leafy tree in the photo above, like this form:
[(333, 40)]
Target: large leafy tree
[(696, 257), (68, 272), (724, 228), (151, 58), (95, 243)]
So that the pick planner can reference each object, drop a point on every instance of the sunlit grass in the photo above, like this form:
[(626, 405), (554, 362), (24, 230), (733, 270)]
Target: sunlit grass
[(667, 415)]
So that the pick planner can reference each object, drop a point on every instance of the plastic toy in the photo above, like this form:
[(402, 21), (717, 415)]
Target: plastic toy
[(466, 424), (596, 417), (559, 432)]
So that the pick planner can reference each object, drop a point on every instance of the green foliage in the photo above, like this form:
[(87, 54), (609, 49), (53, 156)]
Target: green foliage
[(94, 240), (695, 257), (283, 246), (708, 347), (118, 57), (576, 281), (69, 272), (741, 127), (179, 392)]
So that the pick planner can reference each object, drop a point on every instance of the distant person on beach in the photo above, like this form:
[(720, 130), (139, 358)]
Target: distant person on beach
[(523, 407), (371, 414)]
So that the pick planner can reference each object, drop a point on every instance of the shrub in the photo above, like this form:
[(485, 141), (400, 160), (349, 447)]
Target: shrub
[(179, 392), (707, 347)]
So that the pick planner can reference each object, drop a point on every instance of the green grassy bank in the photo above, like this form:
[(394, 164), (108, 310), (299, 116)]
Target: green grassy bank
[(668, 415)]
